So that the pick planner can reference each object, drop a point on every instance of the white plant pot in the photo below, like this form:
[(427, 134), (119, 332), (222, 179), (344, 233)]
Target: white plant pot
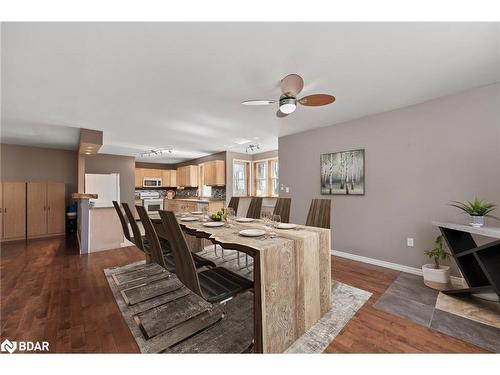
[(436, 276), (477, 221)]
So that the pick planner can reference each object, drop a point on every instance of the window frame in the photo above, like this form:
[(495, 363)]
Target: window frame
[(247, 164), (269, 179)]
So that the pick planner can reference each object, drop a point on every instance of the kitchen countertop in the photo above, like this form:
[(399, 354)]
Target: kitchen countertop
[(198, 200)]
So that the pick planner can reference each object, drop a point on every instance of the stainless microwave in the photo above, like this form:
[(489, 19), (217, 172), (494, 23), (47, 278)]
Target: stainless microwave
[(151, 182)]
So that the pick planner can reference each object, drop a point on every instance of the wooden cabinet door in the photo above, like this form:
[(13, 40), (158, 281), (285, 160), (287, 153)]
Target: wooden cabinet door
[(37, 209), (1, 210), (14, 210), (173, 178), (180, 176), (220, 173), (214, 173), (192, 176), (138, 177), (56, 208)]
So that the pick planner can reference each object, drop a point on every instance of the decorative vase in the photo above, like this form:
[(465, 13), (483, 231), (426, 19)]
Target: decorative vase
[(477, 221), (436, 278)]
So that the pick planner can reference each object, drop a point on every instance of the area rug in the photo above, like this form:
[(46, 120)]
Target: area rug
[(346, 301), (471, 320)]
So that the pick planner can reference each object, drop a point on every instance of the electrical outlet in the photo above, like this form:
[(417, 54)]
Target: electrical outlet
[(409, 242)]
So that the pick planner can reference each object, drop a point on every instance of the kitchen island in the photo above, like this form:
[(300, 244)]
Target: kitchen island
[(193, 204)]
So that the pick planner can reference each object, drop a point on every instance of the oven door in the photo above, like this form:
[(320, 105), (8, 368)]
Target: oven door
[(152, 207)]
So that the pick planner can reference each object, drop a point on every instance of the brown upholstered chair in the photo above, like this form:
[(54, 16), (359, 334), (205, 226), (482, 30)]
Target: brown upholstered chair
[(216, 284), (254, 208), (282, 208), (123, 221), (234, 202), (159, 254), (319, 213)]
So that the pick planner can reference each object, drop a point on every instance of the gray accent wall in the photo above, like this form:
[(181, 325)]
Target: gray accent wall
[(417, 159)]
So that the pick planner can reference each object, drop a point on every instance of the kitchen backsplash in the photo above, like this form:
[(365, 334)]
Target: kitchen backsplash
[(217, 193)]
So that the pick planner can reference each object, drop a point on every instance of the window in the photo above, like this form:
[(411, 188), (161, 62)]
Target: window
[(261, 178), (240, 178), (266, 180)]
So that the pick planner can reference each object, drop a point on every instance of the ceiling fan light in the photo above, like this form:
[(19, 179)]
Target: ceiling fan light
[(288, 105)]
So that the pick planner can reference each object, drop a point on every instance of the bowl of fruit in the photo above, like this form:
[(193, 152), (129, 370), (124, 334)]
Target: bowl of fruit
[(218, 216)]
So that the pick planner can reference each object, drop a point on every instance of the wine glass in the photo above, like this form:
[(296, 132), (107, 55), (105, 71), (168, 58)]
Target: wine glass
[(275, 222)]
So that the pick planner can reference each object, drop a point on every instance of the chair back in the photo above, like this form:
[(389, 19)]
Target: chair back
[(154, 243), (123, 221), (184, 264), (254, 208), (282, 208), (319, 213), (234, 202), (137, 239)]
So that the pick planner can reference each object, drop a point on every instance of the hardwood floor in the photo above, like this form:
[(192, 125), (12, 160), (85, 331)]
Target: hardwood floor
[(51, 293)]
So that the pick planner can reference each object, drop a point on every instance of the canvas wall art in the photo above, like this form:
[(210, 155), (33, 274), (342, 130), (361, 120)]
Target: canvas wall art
[(343, 173)]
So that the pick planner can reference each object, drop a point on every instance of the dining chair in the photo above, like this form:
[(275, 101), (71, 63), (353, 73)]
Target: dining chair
[(319, 213), (216, 284), (159, 253), (255, 208), (138, 239), (123, 221), (282, 208), (234, 202)]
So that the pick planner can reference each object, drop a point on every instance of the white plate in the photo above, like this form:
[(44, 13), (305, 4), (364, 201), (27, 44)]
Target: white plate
[(189, 218), (213, 224), (286, 226), (252, 232), (244, 219), (196, 212)]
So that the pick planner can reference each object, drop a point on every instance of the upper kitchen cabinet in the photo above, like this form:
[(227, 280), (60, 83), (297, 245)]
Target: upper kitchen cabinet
[(169, 178), (149, 172), (214, 173), (138, 177), (187, 176)]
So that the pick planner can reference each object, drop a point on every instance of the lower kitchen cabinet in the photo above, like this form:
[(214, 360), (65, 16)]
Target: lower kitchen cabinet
[(46, 209), (12, 210)]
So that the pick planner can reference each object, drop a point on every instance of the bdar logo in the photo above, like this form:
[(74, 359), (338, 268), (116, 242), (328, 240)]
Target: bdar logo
[(8, 346)]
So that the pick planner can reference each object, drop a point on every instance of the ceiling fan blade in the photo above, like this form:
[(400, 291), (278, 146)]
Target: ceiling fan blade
[(258, 102), (292, 85), (317, 100), (281, 114)]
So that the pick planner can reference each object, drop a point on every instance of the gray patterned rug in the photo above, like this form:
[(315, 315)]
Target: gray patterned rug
[(346, 301)]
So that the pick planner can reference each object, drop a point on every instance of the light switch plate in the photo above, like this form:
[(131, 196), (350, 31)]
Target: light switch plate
[(287, 189), (409, 242)]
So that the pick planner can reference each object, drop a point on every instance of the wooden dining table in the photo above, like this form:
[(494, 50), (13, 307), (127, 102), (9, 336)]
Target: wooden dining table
[(292, 276)]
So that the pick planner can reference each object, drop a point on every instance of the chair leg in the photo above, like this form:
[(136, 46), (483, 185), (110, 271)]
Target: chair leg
[(238, 258), (215, 249), (246, 261)]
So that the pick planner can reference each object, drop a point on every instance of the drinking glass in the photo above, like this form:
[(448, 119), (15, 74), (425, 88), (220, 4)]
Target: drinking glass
[(230, 215), (275, 221)]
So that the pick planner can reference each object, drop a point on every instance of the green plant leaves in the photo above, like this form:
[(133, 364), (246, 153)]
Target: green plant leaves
[(477, 207)]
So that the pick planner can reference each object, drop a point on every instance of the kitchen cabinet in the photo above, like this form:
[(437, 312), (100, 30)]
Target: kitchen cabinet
[(138, 177), (46, 209), (214, 173), (169, 178), (13, 210), (187, 176), (177, 205), (149, 172)]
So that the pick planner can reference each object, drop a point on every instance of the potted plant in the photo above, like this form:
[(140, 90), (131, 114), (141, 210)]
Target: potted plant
[(477, 210), (437, 275)]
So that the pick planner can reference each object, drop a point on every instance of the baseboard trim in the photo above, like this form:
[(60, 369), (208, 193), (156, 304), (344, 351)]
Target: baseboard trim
[(383, 263)]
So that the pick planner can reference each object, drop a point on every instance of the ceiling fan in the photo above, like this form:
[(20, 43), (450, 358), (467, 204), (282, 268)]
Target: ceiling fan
[(291, 86)]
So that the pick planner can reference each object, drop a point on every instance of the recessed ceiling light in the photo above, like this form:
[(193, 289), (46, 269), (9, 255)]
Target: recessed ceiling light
[(242, 141)]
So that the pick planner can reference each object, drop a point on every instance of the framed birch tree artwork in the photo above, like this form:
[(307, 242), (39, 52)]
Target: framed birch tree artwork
[(343, 173)]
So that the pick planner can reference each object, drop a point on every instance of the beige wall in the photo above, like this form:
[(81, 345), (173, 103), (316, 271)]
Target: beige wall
[(23, 163), (417, 159), (124, 165)]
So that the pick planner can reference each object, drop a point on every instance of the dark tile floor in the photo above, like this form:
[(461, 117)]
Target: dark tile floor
[(409, 298)]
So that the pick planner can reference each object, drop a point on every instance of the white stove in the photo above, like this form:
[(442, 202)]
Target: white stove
[(151, 201)]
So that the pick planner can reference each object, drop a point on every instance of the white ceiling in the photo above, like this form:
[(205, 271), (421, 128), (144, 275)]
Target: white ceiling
[(160, 85)]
